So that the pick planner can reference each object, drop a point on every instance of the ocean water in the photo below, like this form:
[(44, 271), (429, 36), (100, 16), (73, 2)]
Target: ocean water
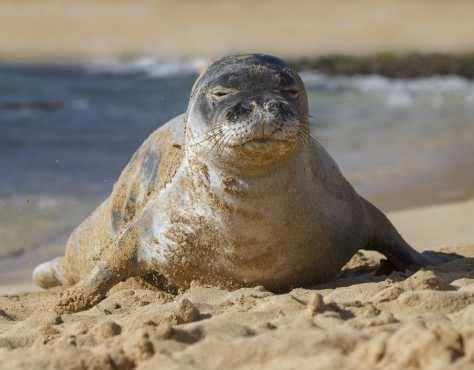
[(66, 132)]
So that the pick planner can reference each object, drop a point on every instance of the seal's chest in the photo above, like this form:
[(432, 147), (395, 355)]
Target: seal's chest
[(234, 232), (234, 240)]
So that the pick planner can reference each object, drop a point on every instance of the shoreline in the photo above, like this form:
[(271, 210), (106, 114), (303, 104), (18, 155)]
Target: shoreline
[(388, 64), (393, 65)]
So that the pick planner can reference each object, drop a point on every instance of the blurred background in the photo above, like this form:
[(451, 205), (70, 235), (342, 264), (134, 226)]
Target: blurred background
[(83, 83)]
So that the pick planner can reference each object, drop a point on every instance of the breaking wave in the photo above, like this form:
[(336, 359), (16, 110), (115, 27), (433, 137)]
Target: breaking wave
[(153, 67), (397, 93)]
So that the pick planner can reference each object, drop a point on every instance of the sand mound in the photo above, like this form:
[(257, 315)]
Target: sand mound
[(363, 320)]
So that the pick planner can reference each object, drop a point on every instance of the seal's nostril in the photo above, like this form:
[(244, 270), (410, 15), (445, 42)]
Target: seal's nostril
[(239, 110), (244, 108), (276, 107), (248, 106)]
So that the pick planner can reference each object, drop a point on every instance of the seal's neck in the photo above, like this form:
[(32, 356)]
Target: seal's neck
[(278, 178)]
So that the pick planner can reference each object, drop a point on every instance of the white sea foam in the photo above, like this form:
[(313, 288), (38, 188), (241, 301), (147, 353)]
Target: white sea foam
[(153, 67), (399, 99), (377, 83), (396, 93)]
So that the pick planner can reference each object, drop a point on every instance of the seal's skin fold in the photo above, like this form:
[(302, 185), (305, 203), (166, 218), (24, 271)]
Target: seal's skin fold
[(233, 193)]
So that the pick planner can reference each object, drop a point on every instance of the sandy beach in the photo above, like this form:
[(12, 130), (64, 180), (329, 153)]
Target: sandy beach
[(51, 30), (365, 319), (369, 315)]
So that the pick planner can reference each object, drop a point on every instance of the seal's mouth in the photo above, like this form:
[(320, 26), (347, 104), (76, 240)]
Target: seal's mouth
[(258, 136), (260, 141)]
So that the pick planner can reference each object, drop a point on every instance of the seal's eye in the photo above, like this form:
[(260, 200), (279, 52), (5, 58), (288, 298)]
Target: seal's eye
[(292, 92), (220, 92)]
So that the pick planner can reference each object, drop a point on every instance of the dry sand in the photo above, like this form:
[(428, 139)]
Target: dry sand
[(364, 320), (71, 29), (436, 225), (370, 318)]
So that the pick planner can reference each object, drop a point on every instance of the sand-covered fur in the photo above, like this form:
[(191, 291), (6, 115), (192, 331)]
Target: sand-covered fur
[(235, 193)]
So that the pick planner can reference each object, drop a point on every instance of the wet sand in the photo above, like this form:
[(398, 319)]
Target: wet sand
[(69, 30)]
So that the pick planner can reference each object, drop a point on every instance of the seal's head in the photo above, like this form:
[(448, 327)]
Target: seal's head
[(247, 110)]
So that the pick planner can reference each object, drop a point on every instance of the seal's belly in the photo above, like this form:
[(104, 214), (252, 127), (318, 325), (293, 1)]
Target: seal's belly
[(234, 251)]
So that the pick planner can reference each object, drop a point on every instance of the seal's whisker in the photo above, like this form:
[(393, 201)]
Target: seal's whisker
[(211, 132), (222, 140), (211, 135), (212, 138), (218, 140), (215, 131), (305, 136), (219, 146), (302, 139), (226, 141), (212, 141)]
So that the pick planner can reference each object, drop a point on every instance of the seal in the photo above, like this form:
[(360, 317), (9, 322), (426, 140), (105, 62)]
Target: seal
[(233, 193)]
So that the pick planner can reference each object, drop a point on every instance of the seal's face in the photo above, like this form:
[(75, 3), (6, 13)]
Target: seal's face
[(250, 108)]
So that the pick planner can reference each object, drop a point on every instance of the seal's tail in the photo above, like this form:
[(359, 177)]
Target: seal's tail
[(49, 274)]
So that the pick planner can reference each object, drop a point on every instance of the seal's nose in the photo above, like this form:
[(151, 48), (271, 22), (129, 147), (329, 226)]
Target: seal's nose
[(240, 110), (249, 105), (274, 106), (278, 108)]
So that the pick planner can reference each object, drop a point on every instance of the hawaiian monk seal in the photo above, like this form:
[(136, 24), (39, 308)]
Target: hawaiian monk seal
[(233, 193)]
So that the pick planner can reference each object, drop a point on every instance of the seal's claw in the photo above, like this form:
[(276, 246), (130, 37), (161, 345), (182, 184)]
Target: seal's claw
[(77, 298)]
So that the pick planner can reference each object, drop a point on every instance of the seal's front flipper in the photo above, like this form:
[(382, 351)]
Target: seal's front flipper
[(87, 293), (117, 263)]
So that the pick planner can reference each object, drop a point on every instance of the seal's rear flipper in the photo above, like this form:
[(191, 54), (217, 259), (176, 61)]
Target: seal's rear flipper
[(402, 256), (434, 258), (430, 258), (49, 274)]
